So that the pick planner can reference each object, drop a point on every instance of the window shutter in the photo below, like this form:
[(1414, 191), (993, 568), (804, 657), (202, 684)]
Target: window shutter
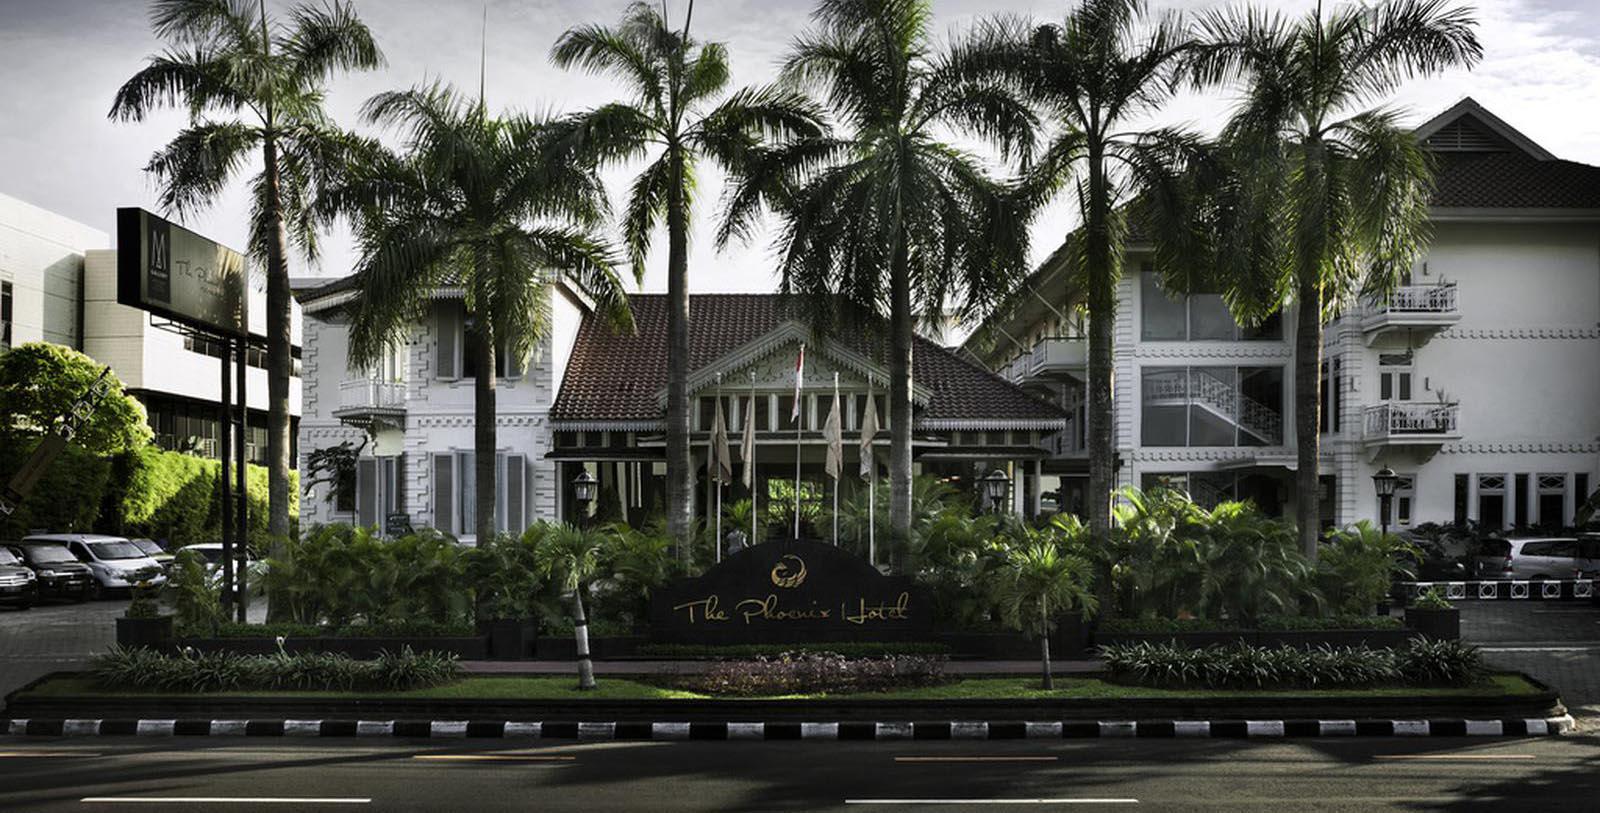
[(515, 494), (449, 339), (397, 500), (444, 493), (467, 493), (367, 491)]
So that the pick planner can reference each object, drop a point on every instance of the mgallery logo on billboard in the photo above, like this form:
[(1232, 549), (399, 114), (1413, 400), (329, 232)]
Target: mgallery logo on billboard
[(790, 591), (170, 271)]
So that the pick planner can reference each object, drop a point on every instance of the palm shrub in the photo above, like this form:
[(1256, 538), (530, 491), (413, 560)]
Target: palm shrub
[(1358, 565), (960, 558), (195, 594), (1153, 557), (1421, 663), (1043, 583), (1252, 567), (568, 558), (633, 562), (504, 580)]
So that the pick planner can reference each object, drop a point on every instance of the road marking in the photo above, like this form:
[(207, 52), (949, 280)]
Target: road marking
[(28, 754), (991, 801), (1455, 757), (222, 800), (493, 757), (976, 759), (1539, 648)]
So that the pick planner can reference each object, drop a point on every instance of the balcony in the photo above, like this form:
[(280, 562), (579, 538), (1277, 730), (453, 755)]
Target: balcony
[(364, 402), (1423, 310), (1058, 356), (1420, 426)]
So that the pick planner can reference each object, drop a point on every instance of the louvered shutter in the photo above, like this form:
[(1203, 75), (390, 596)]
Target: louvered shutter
[(367, 491), (449, 340), (516, 467), (467, 493), (398, 499), (444, 493)]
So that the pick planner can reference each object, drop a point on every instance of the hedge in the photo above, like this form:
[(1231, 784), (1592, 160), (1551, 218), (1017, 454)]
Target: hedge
[(67, 497)]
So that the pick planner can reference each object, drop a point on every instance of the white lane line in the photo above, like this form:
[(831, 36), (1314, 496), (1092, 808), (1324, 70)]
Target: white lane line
[(991, 801), (977, 759), (1455, 757), (223, 800), (494, 757), (31, 754)]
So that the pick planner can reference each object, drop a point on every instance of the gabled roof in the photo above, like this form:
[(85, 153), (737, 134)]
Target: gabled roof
[(618, 378)]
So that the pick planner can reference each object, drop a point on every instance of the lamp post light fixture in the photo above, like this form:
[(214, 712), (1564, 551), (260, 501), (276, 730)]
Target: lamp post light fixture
[(1384, 483), (583, 489), (995, 486)]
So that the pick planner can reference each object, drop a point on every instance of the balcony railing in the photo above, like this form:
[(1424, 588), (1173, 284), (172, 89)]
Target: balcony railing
[(367, 393), (1402, 420), (1420, 309), (1422, 299), (1055, 354)]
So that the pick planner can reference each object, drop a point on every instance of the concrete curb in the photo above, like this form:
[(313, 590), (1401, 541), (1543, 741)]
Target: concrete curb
[(940, 730)]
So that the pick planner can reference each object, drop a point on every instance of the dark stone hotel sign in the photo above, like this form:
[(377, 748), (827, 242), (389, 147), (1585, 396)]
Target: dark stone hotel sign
[(791, 591)]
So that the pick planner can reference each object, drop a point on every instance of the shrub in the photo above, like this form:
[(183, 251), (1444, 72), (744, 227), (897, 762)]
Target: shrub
[(1269, 623), (1422, 663), (382, 628), (1433, 599), (67, 497), (1357, 564), (817, 673), (848, 649), (312, 671), (144, 604), (194, 593), (338, 576)]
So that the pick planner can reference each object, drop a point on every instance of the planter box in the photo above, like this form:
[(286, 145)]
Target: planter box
[(1440, 625), (565, 648), (146, 632), (475, 648), (1070, 640), (1189, 639), (509, 638)]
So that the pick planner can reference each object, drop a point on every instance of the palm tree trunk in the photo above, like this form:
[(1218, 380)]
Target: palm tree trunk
[(580, 634), (280, 359), (1044, 648), (680, 466), (483, 431), (900, 413), (1307, 408), (1102, 326)]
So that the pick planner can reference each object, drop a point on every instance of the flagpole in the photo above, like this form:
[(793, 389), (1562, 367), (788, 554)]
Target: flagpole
[(718, 540), (872, 490), (754, 477), (799, 415), (841, 464)]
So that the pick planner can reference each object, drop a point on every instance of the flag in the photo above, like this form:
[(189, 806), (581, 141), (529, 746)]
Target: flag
[(799, 384), (869, 430), (833, 433), (721, 460), (747, 447)]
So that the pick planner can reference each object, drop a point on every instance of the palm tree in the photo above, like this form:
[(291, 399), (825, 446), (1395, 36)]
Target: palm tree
[(479, 202), (1330, 195), (889, 215), (253, 83), (673, 118), (1094, 75), (1043, 582), (569, 557)]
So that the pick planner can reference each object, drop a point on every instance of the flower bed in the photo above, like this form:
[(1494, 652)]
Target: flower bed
[(224, 671), (816, 673), (1420, 663)]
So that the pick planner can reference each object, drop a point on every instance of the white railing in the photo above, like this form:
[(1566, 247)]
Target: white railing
[(1420, 299), (1223, 398), (1058, 351), (1384, 420), (369, 393)]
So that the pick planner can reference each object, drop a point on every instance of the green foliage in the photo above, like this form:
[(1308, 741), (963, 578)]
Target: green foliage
[(339, 575), (1269, 623), (381, 628), (501, 569), (848, 649), (173, 496), (1043, 582), (144, 603), (194, 593), (1589, 511), (224, 671), (68, 496), (1433, 599), (817, 673), (566, 556), (40, 380), (1356, 566), (1420, 663)]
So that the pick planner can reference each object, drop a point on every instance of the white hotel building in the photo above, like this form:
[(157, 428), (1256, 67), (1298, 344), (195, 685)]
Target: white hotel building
[(1478, 382)]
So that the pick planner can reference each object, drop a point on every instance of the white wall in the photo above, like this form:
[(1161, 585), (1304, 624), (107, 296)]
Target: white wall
[(41, 255)]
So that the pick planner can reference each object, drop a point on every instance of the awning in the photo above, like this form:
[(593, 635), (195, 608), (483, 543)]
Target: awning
[(609, 454), (1261, 460)]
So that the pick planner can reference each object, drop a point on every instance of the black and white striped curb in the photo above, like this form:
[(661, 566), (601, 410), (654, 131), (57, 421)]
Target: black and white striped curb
[(949, 730), (1505, 589)]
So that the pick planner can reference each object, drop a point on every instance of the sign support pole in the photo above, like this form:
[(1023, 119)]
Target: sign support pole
[(755, 477), (243, 535), (225, 452), (718, 464), (841, 461)]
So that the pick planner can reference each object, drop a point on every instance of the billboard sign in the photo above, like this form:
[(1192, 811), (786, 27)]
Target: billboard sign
[(170, 271)]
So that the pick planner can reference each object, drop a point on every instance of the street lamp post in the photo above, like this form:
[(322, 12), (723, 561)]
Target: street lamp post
[(1384, 482), (583, 489), (995, 486)]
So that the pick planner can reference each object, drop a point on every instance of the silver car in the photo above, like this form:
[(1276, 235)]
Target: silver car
[(1552, 557), (113, 561)]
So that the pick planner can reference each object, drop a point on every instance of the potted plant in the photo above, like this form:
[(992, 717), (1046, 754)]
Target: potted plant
[(507, 586), (142, 624), (1434, 616)]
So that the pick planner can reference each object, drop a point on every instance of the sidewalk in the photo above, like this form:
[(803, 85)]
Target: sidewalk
[(692, 667)]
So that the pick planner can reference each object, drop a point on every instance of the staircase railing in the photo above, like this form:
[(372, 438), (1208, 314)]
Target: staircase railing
[(1222, 398)]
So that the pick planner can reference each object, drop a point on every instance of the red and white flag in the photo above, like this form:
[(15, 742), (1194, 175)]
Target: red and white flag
[(799, 383)]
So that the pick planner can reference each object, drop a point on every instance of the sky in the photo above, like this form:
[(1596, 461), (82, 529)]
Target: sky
[(61, 61)]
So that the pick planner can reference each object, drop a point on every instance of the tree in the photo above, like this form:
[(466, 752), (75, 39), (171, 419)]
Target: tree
[(39, 380), (672, 116), (1329, 195), (1043, 582), (569, 557), (252, 83), (889, 215), (479, 202), (1094, 75)]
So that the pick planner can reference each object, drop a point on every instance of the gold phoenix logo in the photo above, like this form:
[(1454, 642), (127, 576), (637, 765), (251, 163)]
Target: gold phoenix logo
[(787, 574)]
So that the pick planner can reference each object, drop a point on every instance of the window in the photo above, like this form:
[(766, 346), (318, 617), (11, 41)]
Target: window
[(5, 316), (1553, 499), (1332, 383), (1405, 497), (1460, 515), (1520, 501), (455, 492), (1492, 500), (1195, 317), (454, 358), (1580, 490), (379, 490), (254, 356), (1212, 406)]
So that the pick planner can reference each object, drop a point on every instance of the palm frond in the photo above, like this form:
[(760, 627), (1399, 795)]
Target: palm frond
[(328, 38), (197, 164)]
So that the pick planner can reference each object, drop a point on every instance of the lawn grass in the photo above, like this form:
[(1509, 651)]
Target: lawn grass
[(994, 688)]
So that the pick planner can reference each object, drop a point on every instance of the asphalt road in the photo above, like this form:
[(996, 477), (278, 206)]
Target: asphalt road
[(238, 774)]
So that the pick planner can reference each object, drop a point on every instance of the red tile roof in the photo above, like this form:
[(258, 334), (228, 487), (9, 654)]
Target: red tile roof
[(614, 377), (1513, 179)]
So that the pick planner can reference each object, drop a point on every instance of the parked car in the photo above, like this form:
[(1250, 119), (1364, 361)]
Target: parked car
[(211, 552), (153, 550), (58, 573), (1536, 558), (114, 562), (18, 585)]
